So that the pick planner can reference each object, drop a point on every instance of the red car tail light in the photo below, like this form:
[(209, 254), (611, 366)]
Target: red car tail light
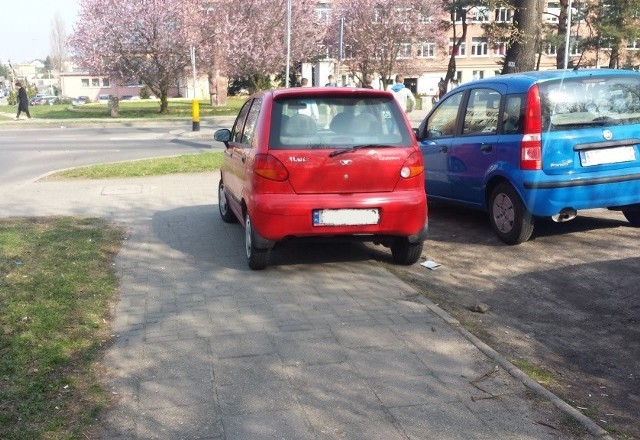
[(269, 167), (531, 146), (413, 166)]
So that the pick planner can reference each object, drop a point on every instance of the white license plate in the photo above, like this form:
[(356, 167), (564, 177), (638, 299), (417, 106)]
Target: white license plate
[(345, 217), (607, 155)]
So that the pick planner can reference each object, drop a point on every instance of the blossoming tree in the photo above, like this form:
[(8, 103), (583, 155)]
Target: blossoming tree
[(141, 40), (255, 41), (383, 36)]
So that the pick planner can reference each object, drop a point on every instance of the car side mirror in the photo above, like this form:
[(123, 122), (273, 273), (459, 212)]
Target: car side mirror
[(223, 135)]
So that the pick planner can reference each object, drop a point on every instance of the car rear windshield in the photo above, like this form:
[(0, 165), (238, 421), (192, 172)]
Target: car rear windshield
[(589, 101), (337, 122)]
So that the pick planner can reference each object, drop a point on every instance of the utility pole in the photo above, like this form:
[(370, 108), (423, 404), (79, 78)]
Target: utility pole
[(568, 36), (286, 82)]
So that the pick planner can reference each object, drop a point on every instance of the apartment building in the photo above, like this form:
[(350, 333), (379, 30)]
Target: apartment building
[(478, 56)]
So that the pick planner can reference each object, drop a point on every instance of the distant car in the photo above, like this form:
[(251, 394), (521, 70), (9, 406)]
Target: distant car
[(103, 99), (43, 100), (130, 98), (80, 100), (537, 144), (323, 163)]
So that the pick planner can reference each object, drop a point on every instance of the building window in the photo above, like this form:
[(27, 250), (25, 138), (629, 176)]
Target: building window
[(347, 52), (427, 50), (575, 46), (323, 13), (105, 82), (462, 50), (480, 14), (478, 74), (633, 44), (552, 13), (403, 15), (95, 82), (425, 19), (551, 49), (500, 48), (404, 51), (503, 15), (84, 82), (479, 47)]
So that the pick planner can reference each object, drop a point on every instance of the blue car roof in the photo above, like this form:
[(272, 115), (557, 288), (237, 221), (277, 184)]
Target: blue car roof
[(523, 80)]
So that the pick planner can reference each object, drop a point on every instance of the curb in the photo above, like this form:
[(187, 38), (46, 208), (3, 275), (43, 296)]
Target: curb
[(592, 427)]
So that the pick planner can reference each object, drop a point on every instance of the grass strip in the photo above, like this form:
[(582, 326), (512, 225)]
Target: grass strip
[(57, 279), (145, 109), (187, 163)]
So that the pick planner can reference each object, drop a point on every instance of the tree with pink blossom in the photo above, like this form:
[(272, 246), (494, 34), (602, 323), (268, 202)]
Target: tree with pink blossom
[(141, 40), (255, 41), (383, 36)]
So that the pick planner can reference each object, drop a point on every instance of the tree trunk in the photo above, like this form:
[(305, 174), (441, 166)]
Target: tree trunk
[(562, 32), (521, 54), (457, 42), (615, 55), (164, 103)]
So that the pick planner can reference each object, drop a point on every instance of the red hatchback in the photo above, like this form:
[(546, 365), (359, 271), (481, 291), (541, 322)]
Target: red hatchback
[(324, 162)]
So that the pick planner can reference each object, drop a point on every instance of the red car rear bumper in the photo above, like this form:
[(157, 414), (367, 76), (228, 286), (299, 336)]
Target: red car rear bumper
[(276, 217)]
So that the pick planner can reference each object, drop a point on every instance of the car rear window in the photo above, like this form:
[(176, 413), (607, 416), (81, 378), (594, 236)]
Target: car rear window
[(337, 122), (596, 100)]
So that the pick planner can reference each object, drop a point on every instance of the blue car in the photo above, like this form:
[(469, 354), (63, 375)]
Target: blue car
[(537, 144)]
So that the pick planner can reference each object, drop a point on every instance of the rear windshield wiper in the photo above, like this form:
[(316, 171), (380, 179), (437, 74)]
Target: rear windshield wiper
[(599, 121), (335, 153)]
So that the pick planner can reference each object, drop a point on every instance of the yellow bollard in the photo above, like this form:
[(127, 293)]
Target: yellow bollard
[(195, 115)]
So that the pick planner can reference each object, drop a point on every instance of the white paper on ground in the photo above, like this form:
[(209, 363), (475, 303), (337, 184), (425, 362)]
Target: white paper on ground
[(430, 264)]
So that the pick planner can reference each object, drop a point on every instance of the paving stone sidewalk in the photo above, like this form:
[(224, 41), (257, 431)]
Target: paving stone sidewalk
[(324, 344)]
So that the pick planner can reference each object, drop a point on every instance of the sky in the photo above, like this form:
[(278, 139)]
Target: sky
[(25, 29)]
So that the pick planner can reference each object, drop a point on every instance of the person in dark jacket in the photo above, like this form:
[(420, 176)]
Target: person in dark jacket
[(23, 101)]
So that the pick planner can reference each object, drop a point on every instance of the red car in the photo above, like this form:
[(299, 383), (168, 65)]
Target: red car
[(323, 162)]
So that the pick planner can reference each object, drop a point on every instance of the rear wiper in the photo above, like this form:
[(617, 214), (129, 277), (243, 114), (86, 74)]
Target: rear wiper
[(602, 120), (335, 153)]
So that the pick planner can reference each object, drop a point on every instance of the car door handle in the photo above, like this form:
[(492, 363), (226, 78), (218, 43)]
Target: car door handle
[(486, 148), (444, 149)]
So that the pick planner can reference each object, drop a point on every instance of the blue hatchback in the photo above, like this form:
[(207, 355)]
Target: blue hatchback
[(537, 144)]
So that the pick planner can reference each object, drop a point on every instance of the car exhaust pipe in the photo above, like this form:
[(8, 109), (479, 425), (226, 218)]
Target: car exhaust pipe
[(565, 215)]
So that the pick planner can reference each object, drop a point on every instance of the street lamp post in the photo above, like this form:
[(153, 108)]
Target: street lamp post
[(568, 37), (286, 83)]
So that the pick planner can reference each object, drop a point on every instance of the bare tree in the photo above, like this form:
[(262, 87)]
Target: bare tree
[(58, 43)]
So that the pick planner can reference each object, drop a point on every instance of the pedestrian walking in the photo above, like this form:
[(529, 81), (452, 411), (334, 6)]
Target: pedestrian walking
[(23, 101), (332, 82), (403, 95)]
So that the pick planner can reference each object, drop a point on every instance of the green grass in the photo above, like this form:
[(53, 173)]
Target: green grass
[(178, 108), (536, 372), (57, 279), (187, 163)]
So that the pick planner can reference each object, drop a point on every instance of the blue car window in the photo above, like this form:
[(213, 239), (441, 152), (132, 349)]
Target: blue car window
[(590, 101), (481, 114), (442, 122), (513, 114)]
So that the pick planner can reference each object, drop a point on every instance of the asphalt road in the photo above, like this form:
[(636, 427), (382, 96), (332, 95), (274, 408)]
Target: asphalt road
[(29, 149)]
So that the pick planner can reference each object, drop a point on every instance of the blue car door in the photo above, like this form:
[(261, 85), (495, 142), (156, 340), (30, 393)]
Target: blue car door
[(435, 136), (473, 153)]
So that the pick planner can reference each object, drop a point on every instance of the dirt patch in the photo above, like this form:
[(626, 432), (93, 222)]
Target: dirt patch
[(566, 301)]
